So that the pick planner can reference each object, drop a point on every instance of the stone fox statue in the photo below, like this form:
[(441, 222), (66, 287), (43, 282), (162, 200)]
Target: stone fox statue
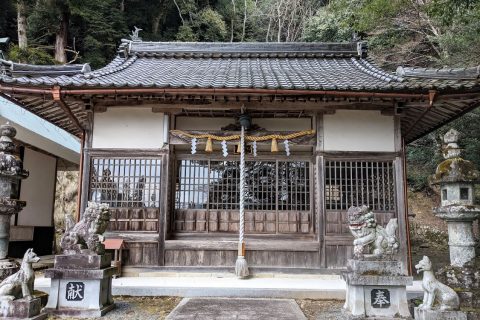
[(363, 226), (84, 237), (20, 284), (434, 290)]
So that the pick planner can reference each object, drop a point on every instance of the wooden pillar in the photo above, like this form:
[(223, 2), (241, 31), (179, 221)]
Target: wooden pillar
[(319, 188), (401, 191), (84, 174), (165, 187)]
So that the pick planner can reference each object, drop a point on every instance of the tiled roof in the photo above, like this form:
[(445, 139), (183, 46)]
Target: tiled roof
[(310, 66)]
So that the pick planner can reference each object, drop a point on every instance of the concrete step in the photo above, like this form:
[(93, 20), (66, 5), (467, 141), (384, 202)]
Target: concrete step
[(327, 287)]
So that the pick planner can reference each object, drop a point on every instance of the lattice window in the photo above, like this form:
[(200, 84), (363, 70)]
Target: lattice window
[(354, 183), (126, 182), (270, 185)]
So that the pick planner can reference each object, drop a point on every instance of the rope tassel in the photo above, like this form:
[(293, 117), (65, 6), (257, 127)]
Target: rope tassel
[(209, 146), (241, 267), (274, 145)]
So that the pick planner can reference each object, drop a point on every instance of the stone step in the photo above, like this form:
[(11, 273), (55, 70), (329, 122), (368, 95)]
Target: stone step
[(292, 286)]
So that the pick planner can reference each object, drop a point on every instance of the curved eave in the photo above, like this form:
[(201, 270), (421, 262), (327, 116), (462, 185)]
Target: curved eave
[(423, 110)]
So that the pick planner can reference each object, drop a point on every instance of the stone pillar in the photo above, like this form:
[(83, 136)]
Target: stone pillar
[(461, 242), (11, 172)]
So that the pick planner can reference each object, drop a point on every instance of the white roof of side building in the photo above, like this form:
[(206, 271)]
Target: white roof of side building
[(39, 133)]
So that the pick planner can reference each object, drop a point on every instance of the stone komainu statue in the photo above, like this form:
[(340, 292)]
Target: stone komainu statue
[(84, 237), (368, 234)]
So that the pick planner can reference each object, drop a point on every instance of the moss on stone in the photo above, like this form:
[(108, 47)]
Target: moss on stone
[(455, 169)]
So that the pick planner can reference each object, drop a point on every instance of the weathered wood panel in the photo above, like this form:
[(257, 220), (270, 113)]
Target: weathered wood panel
[(140, 254), (200, 220), (337, 255), (258, 245), (255, 258), (134, 219)]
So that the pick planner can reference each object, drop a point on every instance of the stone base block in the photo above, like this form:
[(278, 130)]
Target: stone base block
[(376, 290), (381, 267), (376, 302), (421, 314), (80, 313), (83, 261), (7, 268), (21, 309), (80, 292)]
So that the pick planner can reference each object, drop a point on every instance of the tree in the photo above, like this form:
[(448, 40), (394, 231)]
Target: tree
[(22, 24)]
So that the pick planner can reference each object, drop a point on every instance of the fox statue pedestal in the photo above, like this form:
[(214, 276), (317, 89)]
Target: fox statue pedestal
[(81, 285)]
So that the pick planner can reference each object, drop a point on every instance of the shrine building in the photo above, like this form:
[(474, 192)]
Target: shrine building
[(159, 128)]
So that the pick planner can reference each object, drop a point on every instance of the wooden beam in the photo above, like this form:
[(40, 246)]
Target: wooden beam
[(58, 99), (252, 105)]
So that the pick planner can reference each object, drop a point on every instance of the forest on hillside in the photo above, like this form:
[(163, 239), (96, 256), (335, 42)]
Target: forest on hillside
[(425, 33)]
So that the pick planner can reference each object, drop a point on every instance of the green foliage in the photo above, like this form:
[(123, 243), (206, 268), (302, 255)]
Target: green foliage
[(99, 25), (326, 27), (210, 26), (424, 155), (186, 33), (30, 55)]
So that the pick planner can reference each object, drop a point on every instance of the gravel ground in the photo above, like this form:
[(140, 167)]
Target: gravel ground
[(139, 308), (322, 309), (156, 308)]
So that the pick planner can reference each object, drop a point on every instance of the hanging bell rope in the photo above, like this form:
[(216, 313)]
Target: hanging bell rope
[(241, 267)]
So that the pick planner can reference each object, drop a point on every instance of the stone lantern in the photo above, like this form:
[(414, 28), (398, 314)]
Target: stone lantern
[(456, 178), (11, 173)]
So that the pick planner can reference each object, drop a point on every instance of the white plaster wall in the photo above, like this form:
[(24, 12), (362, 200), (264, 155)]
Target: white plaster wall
[(192, 123), (290, 124), (358, 130), (271, 124), (128, 127), (38, 190)]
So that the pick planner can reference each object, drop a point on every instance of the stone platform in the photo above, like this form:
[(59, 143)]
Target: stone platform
[(266, 285), (241, 309), (439, 315), (22, 309)]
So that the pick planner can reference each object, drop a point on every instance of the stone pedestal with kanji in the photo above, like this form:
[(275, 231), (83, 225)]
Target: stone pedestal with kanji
[(81, 285), (376, 289)]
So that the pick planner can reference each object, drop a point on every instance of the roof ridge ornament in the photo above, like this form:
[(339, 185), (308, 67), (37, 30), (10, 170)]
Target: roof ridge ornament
[(362, 49), (134, 36)]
